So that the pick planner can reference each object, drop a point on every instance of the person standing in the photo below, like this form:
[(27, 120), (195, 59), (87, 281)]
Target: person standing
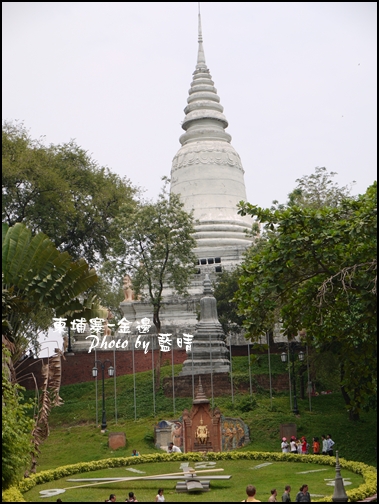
[(251, 491), (293, 447), (304, 445), (316, 446), (324, 445), (273, 495), (284, 446), (286, 496), (303, 495), (330, 444), (160, 497)]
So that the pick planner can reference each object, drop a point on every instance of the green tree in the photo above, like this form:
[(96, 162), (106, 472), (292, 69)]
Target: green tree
[(156, 246), (61, 191), (316, 191), (38, 283), (41, 282), (317, 270), (16, 430), (226, 286)]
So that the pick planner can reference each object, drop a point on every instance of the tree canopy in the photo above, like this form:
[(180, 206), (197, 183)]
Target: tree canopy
[(226, 285), (61, 191), (317, 271), (39, 282), (155, 247), (316, 190)]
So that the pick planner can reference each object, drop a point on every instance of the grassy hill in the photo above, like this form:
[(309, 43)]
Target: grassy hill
[(76, 437)]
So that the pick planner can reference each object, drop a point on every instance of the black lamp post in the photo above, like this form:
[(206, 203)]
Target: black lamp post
[(69, 347), (94, 374), (292, 347)]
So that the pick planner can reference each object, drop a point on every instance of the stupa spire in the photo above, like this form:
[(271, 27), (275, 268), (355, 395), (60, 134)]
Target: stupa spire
[(204, 118), (200, 53)]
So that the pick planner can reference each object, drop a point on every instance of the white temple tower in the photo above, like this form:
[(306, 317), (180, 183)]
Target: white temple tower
[(207, 173)]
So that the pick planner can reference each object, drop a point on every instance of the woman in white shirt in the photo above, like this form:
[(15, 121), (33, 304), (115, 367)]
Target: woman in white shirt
[(324, 445), (160, 497), (293, 446), (285, 445)]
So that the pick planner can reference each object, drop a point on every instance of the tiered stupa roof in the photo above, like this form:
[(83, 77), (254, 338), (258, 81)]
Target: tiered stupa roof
[(207, 171)]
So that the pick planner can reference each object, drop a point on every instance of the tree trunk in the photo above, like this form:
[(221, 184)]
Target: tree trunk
[(302, 388), (157, 324), (353, 414)]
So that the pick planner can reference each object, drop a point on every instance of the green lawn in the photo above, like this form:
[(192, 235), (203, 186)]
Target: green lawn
[(75, 437), (264, 475)]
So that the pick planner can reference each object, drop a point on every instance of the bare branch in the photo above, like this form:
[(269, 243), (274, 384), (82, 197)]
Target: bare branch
[(345, 277)]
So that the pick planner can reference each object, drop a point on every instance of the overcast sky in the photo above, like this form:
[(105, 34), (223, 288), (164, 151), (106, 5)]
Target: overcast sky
[(298, 83)]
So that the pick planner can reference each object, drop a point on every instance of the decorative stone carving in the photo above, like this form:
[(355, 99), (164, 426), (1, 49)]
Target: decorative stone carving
[(206, 155), (202, 432), (65, 343), (127, 286), (107, 329)]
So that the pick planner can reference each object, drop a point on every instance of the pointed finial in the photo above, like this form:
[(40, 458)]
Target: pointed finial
[(200, 398), (207, 285), (200, 34), (339, 494), (200, 54)]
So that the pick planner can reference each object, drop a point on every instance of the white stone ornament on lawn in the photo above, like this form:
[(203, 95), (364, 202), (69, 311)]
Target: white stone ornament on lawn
[(259, 466), (51, 492)]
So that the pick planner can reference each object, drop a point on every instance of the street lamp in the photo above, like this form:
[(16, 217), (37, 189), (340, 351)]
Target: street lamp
[(292, 347), (110, 373), (69, 347)]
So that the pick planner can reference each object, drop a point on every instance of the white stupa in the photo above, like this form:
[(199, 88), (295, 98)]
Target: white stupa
[(207, 173)]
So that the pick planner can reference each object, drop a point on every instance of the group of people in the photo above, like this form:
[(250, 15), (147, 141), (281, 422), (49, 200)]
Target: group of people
[(302, 496), (132, 498), (301, 445)]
